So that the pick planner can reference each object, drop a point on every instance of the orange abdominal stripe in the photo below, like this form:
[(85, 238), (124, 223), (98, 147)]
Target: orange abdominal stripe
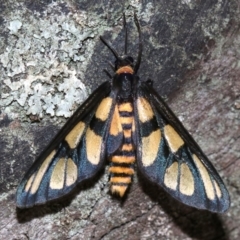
[(125, 107), (127, 147), (126, 120), (121, 170), (121, 180), (123, 159), (127, 133), (125, 69)]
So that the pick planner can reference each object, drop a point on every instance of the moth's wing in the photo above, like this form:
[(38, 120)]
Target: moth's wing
[(77, 152), (115, 133), (168, 155)]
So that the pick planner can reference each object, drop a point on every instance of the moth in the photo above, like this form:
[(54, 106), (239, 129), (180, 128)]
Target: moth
[(125, 122)]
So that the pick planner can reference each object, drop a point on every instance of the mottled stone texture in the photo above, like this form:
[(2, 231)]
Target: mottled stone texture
[(50, 58)]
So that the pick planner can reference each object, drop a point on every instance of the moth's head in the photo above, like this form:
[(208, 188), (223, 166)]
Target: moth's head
[(124, 62), (120, 62)]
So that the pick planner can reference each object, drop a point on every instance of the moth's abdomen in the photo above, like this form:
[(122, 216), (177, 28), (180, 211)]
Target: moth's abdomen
[(122, 160)]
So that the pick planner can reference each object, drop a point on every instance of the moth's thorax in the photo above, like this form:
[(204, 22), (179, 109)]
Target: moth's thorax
[(123, 82)]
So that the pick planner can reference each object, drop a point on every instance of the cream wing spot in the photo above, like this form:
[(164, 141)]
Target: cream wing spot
[(171, 176), (173, 138), (186, 180), (93, 146), (39, 175), (145, 111), (150, 146), (58, 175), (103, 109), (75, 135), (29, 183), (205, 178), (217, 188), (71, 175), (116, 126)]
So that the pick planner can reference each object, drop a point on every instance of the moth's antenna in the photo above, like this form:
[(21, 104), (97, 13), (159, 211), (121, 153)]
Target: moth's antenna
[(126, 33), (108, 74), (140, 46), (111, 48)]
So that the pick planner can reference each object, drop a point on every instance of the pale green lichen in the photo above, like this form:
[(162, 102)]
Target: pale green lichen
[(36, 72), (14, 26)]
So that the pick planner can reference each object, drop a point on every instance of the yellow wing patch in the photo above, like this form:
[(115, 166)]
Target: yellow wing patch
[(75, 135), (150, 146), (71, 175), (58, 174), (93, 146), (217, 188), (173, 138), (29, 183), (171, 176), (39, 175), (145, 111), (205, 177), (61, 169), (65, 170), (186, 186), (103, 109), (186, 183), (116, 126)]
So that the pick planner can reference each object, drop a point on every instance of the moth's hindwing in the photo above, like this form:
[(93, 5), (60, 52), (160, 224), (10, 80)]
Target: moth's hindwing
[(168, 155), (76, 153)]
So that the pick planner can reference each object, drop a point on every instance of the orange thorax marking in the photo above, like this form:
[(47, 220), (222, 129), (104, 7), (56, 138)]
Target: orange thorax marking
[(125, 69)]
